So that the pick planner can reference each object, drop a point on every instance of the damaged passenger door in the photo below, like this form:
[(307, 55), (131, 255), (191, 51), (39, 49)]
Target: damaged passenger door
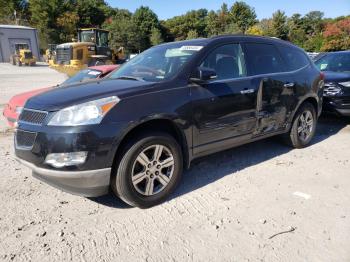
[(276, 87)]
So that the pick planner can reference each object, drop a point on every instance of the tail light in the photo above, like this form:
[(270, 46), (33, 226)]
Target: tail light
[(322, 76)]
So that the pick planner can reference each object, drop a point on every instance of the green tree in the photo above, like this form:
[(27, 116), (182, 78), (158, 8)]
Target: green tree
[(296, 32), (124, 32), (313, 22), (217, 21), (156, 36), (243, 16), (44, 14), (192, 34), (67, 23), (266, 26), (145, 20), (180, 26), (279, 25), (92, 13), (14, 12), (232, 28)]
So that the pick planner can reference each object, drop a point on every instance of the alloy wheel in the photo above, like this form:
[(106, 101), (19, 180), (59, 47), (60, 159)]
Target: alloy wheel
[(152, 170), (305, 125)]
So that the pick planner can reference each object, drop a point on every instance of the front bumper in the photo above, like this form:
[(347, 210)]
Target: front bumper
[(92, 178), (89, 183), (340, 105)]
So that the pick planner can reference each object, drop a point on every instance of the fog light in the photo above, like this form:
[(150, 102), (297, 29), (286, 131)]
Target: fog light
[(66, 159)]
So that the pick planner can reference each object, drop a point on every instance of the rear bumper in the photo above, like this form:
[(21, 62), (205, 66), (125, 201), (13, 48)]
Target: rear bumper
[(89, 183)]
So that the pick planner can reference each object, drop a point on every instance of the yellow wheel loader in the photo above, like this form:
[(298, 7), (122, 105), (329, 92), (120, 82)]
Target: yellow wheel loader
[(23, 55), (91, 48)]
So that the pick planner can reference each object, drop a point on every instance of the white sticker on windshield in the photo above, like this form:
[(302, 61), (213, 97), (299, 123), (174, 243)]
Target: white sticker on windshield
[(323, 66), (94, 73), (191, 48)]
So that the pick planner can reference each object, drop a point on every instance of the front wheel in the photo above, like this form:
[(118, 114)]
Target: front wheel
[(149, 171), (303, 127)]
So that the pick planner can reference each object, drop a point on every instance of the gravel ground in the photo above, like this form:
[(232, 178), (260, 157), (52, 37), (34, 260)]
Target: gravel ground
[(230, 206)]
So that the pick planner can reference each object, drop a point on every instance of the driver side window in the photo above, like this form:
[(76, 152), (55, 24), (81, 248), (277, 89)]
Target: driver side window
[(227, 61)]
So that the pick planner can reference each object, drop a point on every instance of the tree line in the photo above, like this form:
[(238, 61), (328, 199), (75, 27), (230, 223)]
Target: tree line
[(58, 20)]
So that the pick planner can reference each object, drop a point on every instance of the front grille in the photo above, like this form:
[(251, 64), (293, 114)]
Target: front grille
[(24, 139), (331, 89), (28, 55), (63, 55), (31, 116)]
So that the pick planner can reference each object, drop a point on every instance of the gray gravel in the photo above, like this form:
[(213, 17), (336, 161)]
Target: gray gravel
[(229, 207)]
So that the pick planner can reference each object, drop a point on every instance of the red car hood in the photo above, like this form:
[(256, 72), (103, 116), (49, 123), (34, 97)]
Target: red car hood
[(21, 99)]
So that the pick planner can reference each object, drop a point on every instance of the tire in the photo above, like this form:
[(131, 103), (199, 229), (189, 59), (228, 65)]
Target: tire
[(12, 60), (98, 63), (140, 193), (297, 138)]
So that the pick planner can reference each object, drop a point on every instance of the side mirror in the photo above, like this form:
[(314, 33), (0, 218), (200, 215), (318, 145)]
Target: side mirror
[(203, 74)]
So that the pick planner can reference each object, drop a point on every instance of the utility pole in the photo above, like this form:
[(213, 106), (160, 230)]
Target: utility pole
[(15, 14)]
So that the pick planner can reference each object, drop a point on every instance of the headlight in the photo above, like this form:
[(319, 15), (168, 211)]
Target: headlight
[(89, 113), (346, 84), (19, 110)]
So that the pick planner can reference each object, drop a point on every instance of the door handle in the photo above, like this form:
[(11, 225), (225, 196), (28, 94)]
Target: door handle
[(247, 91), (289, 85)]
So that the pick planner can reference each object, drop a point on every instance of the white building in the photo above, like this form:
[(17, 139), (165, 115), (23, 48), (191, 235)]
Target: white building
[(12, 34)]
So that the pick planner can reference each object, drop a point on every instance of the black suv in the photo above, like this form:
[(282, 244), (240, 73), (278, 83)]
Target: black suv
[(336, 68), (138, 129)]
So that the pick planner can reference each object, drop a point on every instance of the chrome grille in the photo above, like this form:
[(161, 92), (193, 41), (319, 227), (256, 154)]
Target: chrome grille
[(331, 89), (63, 55), (31, 116), (24, 139)]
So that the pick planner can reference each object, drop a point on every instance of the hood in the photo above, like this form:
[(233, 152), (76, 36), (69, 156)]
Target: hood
[(20, 99), (69, 95), (336, 76)]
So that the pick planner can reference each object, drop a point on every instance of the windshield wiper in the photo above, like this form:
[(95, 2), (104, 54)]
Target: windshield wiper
[(131, 78)]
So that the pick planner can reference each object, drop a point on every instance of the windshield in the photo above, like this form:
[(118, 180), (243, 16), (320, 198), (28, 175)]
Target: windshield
[(87, 36), (158, 63), (102, 38), (335, 62), (82, 76)]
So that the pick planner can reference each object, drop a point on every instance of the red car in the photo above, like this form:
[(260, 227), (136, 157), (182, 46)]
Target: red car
[(16, 103)]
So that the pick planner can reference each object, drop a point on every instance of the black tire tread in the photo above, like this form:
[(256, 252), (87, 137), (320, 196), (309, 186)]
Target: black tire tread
[(118, 185), (291, 138)]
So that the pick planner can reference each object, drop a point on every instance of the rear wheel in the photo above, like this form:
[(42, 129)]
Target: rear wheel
[(18, 62), (303, 127), (12, 60), (149, 171)]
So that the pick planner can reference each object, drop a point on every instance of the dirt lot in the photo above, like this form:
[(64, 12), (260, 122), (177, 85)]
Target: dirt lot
[(229, 206)]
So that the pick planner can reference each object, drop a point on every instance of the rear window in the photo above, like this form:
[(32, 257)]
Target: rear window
[(263, 59), (294, 58)]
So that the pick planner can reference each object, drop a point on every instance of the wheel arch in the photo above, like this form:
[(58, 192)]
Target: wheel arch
[(310, 99), (159, 124)]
